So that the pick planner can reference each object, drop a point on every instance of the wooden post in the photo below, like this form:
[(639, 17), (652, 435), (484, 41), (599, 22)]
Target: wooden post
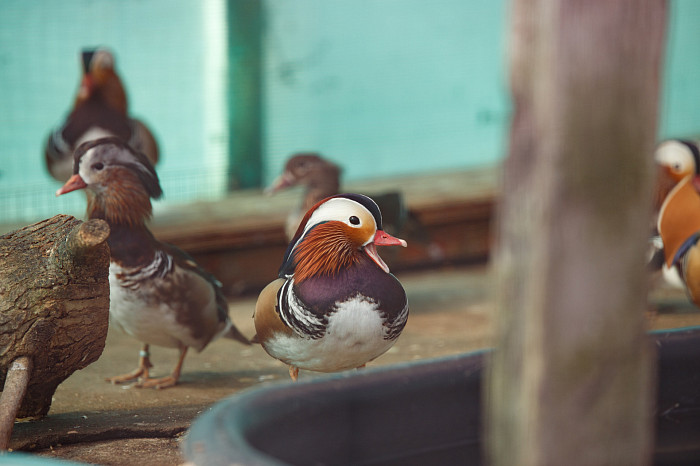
[(571, 379)]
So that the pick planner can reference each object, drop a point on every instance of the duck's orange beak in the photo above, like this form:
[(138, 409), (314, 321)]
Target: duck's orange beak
[(74, 183), (285, 180), (382, 238)]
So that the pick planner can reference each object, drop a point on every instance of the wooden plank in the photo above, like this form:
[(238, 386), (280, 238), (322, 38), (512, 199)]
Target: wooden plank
[(241, 238), (248, 218)]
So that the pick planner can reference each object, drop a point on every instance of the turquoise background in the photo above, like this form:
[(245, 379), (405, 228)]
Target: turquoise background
[(383, 87)]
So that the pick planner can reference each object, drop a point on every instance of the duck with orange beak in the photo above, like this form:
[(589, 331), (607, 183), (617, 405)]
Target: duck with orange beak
[(335, 305), (158, 293)]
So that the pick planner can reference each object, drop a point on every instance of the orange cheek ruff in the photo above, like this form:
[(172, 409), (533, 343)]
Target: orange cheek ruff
[(327, 249), (665, 182)]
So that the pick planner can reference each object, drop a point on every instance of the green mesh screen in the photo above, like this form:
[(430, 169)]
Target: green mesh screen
[(383, 87)]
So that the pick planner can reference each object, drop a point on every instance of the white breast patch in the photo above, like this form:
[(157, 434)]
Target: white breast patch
[(135, 309), (354, 336)]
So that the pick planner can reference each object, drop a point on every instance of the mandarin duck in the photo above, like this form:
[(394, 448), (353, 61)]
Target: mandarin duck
[(679, 221), (158, 293), (100, 109), (334, 305), (321, 179), (676, 159)]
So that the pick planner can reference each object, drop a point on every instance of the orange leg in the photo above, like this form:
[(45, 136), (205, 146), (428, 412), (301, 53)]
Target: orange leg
[(165, 382), (142, 370), (294, 373)]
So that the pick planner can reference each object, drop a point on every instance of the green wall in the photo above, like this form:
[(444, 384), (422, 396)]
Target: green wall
[(680, 106), (384, 87), (165, 51)]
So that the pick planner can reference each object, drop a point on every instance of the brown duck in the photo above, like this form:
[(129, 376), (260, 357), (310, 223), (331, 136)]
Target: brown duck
[(100, 109), (158, 294)]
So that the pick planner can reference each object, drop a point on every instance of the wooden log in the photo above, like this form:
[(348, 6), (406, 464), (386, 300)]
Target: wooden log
[(571, 379), (54, 310)]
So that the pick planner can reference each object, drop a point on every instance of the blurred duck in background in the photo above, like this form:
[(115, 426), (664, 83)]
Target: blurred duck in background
[(679, 221), (100, 110), (677, 160), (321, 179)]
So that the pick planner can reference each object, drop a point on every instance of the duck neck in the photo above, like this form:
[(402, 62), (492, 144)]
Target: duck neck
[(131, 242), (131, 246), (128, 206)]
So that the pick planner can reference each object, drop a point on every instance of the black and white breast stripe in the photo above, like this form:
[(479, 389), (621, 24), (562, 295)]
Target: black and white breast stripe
[(161, 265), (296, 315), (395, 327), (299, 317)]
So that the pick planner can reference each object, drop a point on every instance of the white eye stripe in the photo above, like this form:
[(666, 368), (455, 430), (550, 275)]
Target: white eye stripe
[(675, 155), (107, 155), (338, 209)]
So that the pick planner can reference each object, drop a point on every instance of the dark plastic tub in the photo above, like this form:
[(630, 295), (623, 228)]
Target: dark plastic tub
[(678, 398), (413, 414), (419, 413)]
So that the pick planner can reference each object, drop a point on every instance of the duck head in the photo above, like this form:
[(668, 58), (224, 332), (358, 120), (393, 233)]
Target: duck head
[(676, 159), (307, 169), (336, 233), (100, 80), (120, 181)]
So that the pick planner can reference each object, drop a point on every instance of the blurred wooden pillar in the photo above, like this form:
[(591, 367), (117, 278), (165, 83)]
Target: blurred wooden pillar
[(571, 379), (245, 92)]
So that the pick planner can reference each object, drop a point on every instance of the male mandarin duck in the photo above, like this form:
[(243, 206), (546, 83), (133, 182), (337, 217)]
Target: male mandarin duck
[(335, 306), (158, 294), (321, 179), (677, 159), (679, 220), (100, 110)]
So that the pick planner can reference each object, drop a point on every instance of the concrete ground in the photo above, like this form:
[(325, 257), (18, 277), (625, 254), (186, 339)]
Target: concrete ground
[(95, 422)]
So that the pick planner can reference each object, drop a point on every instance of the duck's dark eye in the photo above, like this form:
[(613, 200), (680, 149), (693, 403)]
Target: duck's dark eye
[(354, 220), (98, 166)]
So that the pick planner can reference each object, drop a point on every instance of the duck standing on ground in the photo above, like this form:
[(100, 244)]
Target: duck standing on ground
[(158, 294), (100, 110), (335, 306)]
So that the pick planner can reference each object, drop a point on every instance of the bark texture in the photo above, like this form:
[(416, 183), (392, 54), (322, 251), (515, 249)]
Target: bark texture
[(571, 379), (54, 303)]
